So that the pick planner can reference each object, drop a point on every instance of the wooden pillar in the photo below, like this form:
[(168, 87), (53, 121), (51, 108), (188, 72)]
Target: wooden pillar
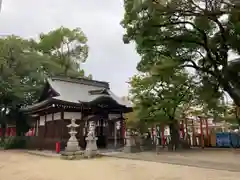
[(207, 135), (37, 127), (201, 132), (163, 135), (152, 134), (193, 134), (123, 129), (182, 129), (45, 125), (186, 129), (115, 133), (62, 124), (53, 128), (106, 132), (34, 128), (158, 135)]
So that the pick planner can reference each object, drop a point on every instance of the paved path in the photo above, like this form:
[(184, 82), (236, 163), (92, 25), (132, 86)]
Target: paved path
[(16, 165), (219, 160)]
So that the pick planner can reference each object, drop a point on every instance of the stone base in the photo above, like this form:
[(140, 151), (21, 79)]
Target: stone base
[(72, 155), (131, 149), (91, 147), (89, 153), (72, 146)]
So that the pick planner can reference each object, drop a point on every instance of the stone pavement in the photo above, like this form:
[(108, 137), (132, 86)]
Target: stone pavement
[(16, 165), (213, 159)]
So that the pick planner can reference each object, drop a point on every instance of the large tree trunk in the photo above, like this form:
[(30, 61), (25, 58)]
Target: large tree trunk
[(232, 90), (175, 138)]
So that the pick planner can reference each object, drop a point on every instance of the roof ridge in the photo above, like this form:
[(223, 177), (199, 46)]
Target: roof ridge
[(84, 81)]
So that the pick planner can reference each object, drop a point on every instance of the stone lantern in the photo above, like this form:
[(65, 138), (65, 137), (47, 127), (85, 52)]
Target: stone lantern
[(72, 144)]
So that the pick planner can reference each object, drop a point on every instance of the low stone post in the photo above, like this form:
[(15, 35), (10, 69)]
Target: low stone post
[(130, 145), (91, 147)]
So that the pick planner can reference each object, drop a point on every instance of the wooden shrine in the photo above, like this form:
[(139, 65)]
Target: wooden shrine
[(85, 100)]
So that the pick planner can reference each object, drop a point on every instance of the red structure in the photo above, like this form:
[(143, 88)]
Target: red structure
[(10, 131), (58, 149)]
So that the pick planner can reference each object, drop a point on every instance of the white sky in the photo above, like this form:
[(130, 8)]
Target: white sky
[(109, 59)]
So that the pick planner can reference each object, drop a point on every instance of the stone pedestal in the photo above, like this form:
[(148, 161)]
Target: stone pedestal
[(72, 155), (142, 143), (131, 146), (72, 145), (91, 148)]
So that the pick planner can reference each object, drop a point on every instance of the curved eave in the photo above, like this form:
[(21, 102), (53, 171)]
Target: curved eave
[(99, 99), (110, 101), (47, 103), (105, 99), (36, 106), (128, 110)]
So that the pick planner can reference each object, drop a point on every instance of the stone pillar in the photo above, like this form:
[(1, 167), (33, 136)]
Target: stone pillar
[(130, 145), (91, 147)]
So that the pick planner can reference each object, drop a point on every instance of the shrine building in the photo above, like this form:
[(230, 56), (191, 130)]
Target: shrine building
[(85, 100)]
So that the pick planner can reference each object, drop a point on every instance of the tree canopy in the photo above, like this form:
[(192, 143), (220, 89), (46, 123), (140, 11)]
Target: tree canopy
[(25, 63), (192, 34), (65, 47)]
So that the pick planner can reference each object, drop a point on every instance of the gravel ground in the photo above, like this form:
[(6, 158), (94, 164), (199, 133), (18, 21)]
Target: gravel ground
[(16, 165)]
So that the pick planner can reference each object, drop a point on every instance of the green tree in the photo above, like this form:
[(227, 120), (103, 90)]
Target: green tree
[(198, 34), (66, 47), (161, 96), (25, 63), (19, 68)]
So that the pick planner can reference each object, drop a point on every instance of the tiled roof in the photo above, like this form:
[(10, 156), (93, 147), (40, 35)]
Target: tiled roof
[(77, 90), (80, 91)]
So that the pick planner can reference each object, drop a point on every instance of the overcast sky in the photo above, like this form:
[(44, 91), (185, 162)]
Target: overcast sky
[(109, 59)]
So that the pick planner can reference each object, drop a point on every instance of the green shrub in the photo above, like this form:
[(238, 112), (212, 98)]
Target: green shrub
[(14, 143), (1, 144)]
